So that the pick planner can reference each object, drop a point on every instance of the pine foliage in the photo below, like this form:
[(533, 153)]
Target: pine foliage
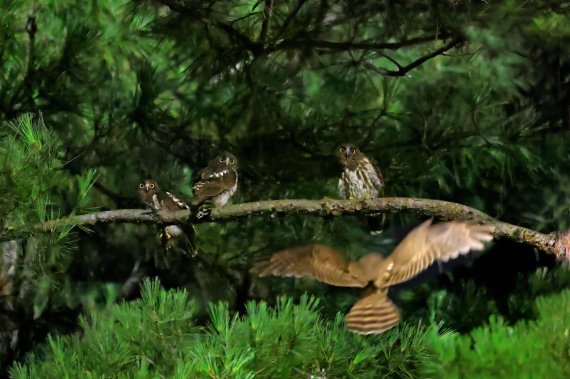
[(33, 284), (534, 349), (96, 95), (155, 337)]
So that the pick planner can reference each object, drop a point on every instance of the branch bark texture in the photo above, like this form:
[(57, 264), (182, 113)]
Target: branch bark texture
[(554, 243)]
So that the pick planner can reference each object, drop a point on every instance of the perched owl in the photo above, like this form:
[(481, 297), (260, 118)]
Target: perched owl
[(217, 184), (178, 238), (374, 312), (360, 180)]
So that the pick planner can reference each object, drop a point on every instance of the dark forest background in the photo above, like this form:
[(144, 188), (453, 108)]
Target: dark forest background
[(466, 101)]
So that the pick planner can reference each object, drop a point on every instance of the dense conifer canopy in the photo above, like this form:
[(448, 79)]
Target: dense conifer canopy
[(466, 101)]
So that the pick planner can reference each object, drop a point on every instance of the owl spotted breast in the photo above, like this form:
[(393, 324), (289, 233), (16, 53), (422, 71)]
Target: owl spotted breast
[(217, 184), (375, 313), (179, 238), (361, 179)]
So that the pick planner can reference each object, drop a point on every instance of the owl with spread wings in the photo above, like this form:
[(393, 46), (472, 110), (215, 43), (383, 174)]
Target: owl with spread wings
[(375, 313)]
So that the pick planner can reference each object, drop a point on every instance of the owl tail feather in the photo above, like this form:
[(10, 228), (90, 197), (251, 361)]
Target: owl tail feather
[(189, 241), (373, 314), (376, 223)]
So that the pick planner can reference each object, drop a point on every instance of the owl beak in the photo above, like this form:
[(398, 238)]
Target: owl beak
[(227, 161), (146, 188)]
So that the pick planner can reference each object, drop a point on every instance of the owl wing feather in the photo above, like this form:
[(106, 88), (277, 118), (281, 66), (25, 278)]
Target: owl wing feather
[(182, 235), (342, 188), (208, 171), (173, 202), (427, 243), (374, 313), (316, 261), (213, 183), (378, 179)]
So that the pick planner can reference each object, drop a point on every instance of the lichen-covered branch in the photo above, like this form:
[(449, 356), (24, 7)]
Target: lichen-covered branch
[(553, 243)]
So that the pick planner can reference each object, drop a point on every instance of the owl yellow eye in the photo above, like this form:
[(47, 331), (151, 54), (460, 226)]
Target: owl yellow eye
[(352, 151), (222, 159), (342, 149), (141, 186), (232, 161), (151, 185)]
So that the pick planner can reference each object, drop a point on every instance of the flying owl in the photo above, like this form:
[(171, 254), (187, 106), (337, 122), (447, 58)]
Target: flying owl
[(361, 179), (178, 238), (375, 313), (217, 184)]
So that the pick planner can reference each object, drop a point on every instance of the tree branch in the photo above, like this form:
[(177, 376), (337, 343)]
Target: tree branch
[(290, 44), (291, 16), (263, 47), (403, 70), (267, 15), (552, 243), (240, 38)]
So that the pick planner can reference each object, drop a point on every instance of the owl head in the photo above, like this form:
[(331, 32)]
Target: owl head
[(225, 159), (348, 155), (148, 187)]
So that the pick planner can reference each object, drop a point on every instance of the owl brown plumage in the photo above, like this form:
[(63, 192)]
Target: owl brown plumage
[(217, 184), (374, 312), (361, 179), (178, 237)]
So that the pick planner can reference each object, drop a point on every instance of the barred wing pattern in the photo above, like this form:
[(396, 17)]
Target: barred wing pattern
[(427, 243), (377, 179), (175, 201), (213, 184), (375, 313), (312, 261)]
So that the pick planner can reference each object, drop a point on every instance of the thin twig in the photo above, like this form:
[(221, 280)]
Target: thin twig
[(267, 15), (403, 70), (31, 29), (291, 44), (291, 16)]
